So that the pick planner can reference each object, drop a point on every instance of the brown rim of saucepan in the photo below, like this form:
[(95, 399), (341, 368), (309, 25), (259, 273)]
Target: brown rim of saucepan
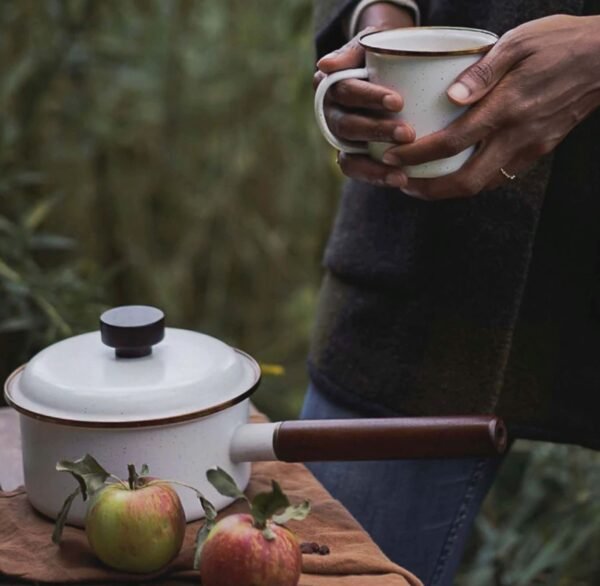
[(480, 49), (143, 423)]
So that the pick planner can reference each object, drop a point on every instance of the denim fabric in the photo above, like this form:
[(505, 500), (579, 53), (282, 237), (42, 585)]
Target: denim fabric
[(419, 512)]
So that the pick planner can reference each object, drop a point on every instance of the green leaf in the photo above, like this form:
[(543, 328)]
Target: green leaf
[(209, 508), (200, 539), (211, 516), (88, 473), (53, 315), (17, 324), (8, 273), (293, 512), (224, 483), (29, 178), (51, 242), (62, 516), (266, 504), (39, 212), (145, 471)]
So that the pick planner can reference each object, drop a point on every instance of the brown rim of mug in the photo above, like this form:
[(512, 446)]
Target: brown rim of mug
[(473, 51), (139, 423)]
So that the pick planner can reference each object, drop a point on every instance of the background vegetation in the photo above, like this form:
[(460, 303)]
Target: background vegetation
[(164, 152)]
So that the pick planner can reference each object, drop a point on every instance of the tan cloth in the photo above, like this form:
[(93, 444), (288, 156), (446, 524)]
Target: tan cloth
[(26, 550)]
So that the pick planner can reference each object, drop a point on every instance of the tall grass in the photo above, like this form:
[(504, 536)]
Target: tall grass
[(180, 136)]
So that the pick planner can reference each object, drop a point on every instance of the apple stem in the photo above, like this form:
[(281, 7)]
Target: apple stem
[(133, 476)]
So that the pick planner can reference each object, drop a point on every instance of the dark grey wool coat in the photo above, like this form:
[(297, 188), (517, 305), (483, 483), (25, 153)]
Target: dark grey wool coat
[(488, 304)]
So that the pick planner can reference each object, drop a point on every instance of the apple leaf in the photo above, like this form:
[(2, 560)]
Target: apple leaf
[(62, 516), (224, 483), (211, 515), (200, 539), (209, 508), (88, 473), (293, 512), (266, 504)]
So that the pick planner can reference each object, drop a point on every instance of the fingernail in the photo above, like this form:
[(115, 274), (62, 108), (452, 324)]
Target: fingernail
[(403, 134), (459, 92), (328, 56), (391, 159), (396, 179), (392, 103)]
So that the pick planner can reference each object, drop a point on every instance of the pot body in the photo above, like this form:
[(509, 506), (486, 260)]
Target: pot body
[(177, 451)]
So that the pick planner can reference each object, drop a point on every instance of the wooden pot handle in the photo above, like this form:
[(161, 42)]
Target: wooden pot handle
[(390, 438)]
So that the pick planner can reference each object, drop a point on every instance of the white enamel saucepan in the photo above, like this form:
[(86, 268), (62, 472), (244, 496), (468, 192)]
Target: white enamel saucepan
[(177, 400)]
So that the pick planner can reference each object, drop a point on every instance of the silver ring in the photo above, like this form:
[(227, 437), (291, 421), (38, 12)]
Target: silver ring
[(507, 174)]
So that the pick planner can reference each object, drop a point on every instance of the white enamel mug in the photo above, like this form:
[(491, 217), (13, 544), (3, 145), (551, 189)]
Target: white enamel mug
[(420, 64)]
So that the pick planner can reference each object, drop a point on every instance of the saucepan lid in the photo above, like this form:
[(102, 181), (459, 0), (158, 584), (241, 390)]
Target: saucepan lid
[(132, 372)]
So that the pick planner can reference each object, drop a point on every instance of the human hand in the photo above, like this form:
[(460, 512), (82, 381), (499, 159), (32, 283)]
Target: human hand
[(358, 110), (538, 82)]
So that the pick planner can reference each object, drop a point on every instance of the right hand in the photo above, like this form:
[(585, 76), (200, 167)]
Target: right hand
[(356, 110)]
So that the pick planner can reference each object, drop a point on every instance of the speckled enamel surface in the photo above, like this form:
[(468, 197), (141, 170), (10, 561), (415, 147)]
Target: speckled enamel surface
[(422, 82), (181, 452)]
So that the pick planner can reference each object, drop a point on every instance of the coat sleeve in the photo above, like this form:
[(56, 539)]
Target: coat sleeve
[(330, 17)]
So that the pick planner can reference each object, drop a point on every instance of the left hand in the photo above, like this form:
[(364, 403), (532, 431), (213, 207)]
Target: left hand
[(538, 82)]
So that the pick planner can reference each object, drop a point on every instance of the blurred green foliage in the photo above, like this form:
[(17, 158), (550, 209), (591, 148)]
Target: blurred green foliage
[(541, 522), (180, 137), (45, 294), (164, 152)]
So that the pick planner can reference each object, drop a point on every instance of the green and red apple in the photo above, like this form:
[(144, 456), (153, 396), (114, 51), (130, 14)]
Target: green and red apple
[(254, 549), (136, 526), (236, 552), (138, 530)]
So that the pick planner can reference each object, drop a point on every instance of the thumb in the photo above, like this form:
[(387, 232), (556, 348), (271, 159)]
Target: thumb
[(479, 79), (350, 55)]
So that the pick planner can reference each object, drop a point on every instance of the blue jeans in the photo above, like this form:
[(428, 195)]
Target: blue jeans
[(419, 512)]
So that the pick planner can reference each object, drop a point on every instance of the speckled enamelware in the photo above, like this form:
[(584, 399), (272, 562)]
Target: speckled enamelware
[(420, 64)]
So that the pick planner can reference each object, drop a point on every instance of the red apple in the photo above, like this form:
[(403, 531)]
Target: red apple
[(238, 553), (136, 530)]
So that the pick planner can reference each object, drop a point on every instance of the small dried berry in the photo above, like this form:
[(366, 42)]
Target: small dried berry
[(306, 547), (315, 547), (324, 550)]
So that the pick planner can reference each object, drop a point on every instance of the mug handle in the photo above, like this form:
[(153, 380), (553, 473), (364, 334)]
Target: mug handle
[(334, 141)]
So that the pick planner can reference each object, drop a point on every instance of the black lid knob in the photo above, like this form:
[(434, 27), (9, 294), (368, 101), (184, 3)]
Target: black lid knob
[(132, 329)]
